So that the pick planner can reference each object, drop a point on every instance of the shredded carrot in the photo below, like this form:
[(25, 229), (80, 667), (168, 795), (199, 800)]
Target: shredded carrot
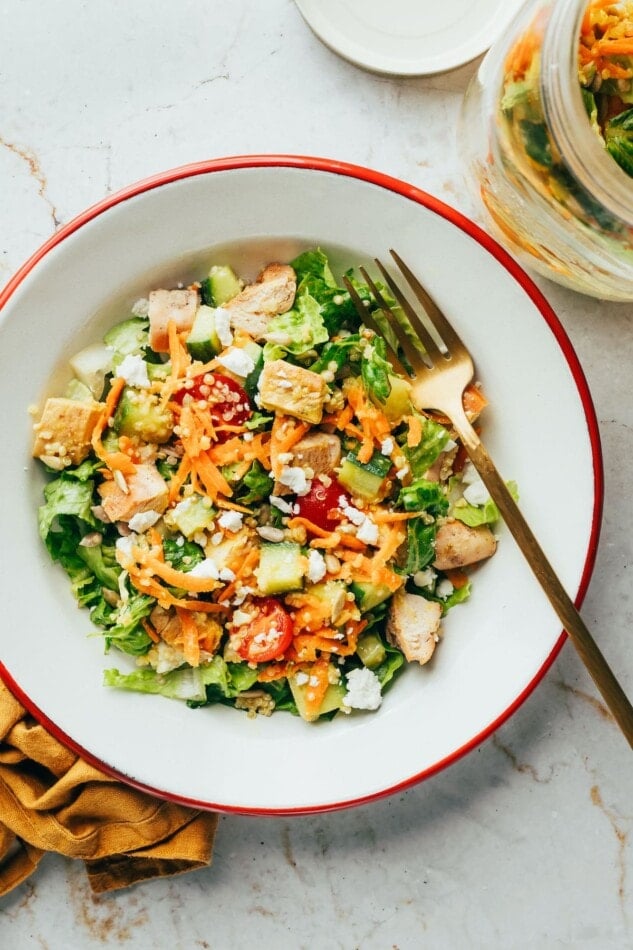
[(275, 671), (315, 691), (179, 478), (374, 423), (414, 434), (241, 570), (286, 432), (385, 517), (115, 461), (190, 642), (299, 522), (233, 506), (175, 578)]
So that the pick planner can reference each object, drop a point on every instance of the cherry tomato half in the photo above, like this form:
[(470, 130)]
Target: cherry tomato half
[(268, 635), (321, 501), (227, 401)]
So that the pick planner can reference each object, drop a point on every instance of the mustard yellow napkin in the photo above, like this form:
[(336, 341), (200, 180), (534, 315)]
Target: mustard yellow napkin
[(51, 800)]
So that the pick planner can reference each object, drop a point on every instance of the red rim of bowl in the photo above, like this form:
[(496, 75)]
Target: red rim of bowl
[(474, 231)]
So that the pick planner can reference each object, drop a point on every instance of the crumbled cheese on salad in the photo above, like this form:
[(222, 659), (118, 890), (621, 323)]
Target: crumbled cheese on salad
[(133, 369), (363, 689)]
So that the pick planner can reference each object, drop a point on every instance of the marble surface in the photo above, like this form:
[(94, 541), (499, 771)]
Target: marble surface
[(526, 842)]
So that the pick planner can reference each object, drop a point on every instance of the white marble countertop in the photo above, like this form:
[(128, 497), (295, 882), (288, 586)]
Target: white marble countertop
[(526, 842)]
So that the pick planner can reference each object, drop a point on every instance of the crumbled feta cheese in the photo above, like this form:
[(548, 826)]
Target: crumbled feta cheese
[(282, 505), (476, 493), (402, 472), (301, 678), (226, 574), (206, 569), (387, 446), (241, 618), (352, 514), (424, 578), (295, 479), (316, 566), (368, 532), (444, 589), (363, 689), (217, 538), (223, 326), (133, 369), (124, 547), (237, 361), (314, 681), (241, 596), (141, 307), (231, 520), (450, 445), (469, 474), (143, 520)]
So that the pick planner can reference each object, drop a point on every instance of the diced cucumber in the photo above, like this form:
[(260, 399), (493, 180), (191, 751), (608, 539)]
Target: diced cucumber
[(191, 515), (364, 480), (78, 391), (203, 342), (371, 650), (91, 365), (369, 595), (333, 698), (127, 338), (281, 568), (221, 285), (398, 402), (140, 414)]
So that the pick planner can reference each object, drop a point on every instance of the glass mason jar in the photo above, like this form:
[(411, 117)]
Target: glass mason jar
[(552, 193)]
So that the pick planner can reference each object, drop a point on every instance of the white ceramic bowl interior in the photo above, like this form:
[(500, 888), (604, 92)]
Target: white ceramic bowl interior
[(540, 429)]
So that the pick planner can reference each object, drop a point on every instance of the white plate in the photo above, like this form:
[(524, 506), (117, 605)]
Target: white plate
[(540, 428), (408, 37)]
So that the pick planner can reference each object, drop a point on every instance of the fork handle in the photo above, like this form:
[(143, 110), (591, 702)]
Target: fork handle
[(602, 675)]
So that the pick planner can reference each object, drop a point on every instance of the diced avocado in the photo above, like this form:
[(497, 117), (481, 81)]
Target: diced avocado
[(364, 480), (371, 650), (221, 285), (140, 414), (398, 402), (203, 342), (281, 568), (334, 594), (91, 365), (369, 595), (333, 698), (127, 338), (78, 391), (191, 515)]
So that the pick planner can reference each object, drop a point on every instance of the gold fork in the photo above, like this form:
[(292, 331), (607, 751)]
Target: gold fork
[(439, 375)]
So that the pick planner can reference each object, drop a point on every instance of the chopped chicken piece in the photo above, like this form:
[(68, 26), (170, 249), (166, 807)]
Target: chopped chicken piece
[(147, 491), (166, 305), (413, 624), (64, 431), (273, 292), (292, 390), (457, 544), (319, 451)]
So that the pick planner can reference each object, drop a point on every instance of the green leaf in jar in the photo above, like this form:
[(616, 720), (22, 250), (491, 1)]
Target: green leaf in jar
[(618, 136), (536, 142)]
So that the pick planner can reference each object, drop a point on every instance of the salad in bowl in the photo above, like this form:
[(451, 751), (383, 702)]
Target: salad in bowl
[(247, 502)]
